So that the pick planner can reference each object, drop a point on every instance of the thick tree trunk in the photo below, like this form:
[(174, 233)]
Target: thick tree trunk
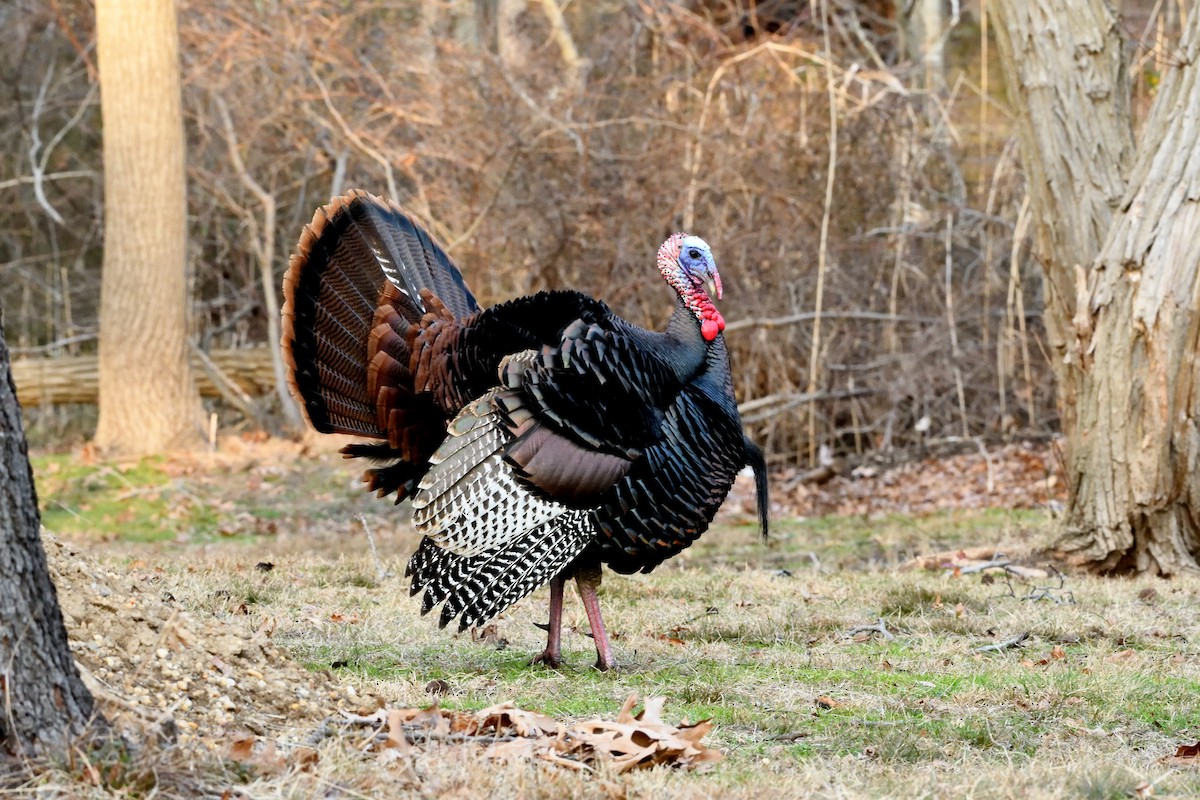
[(1066, 76), (1135, 459), (45, 703), (148, 399), (1125, 330)]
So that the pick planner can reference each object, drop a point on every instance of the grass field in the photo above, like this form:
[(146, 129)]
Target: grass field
[(780, 644)]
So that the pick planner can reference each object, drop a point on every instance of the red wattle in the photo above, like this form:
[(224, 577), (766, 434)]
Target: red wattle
[(709, 329)]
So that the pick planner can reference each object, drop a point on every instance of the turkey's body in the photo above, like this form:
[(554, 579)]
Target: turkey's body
[(538, 438)]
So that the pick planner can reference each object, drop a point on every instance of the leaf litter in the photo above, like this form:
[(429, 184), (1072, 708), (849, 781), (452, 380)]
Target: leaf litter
[(507, 732), (163, 675)]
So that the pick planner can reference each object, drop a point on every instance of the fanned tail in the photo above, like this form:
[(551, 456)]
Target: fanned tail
[(361, 280)]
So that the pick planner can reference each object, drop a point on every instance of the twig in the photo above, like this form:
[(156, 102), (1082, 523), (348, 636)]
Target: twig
[(876, 723), (380, 572), (1053, 593), (997, 562), (823, 245), (230, 391), (808, 316), (1007, 643), (789, 401), (955, 351), (991, 469), (879, 627), (264, 247)]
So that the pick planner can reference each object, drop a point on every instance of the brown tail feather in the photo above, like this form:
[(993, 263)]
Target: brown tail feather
[(362, 279)]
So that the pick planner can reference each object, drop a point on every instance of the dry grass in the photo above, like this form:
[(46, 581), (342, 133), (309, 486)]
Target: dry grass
[(750, 635)]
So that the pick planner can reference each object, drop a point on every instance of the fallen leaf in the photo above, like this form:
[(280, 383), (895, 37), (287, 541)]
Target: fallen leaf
[(1188, 750), (396, 740), (241, 748), (826, 702), (1186, 755), (304, 758), (1122, 657)]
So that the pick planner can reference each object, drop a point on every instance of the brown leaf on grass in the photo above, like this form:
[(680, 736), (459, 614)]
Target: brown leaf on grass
[(1058, 653), (489, 634), (507, 717), (1187, 755), (1122, 657), (396, 740), (826, 702), (260, 755), (241, 748), (671, 639), (632, 741), (640, 741), (304, 758)]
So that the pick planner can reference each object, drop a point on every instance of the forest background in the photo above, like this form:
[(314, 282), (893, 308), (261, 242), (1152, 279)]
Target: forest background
[(868, 212)]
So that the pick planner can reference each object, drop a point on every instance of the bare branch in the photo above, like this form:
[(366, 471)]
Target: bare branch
[(1016, 641)]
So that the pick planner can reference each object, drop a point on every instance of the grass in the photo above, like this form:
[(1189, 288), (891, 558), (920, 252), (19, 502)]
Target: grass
[(747, 634)]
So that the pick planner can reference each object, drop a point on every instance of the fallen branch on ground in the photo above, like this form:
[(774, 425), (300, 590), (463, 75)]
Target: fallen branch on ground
[(879, 627), (1015, 641)]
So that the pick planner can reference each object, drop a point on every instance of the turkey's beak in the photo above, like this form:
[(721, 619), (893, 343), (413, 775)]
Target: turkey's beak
[(714, 284)]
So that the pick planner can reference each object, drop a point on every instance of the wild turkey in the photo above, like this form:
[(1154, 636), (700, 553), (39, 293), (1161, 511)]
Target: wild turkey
[(538, 438)]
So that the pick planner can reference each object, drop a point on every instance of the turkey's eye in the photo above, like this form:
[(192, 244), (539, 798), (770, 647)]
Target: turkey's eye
[(693, 253)]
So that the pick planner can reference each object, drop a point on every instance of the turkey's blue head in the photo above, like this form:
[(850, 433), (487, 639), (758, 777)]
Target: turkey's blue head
[(686, 262)]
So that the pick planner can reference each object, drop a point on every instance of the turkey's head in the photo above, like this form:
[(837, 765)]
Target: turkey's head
[(686, 262)]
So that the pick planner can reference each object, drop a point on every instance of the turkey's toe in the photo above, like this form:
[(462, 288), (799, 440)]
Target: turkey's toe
[(547, 659)]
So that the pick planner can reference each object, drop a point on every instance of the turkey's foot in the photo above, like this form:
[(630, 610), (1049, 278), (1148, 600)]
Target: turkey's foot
[(552, 655), (547, 659)]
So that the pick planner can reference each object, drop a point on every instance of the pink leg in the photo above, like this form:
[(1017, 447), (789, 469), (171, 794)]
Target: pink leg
[(552, 655), (588, 580)]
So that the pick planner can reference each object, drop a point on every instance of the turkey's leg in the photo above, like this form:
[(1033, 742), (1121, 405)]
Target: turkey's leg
[(588, 580), (552, 655)]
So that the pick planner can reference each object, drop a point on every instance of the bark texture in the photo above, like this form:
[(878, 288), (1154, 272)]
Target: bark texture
[(1065, 72), (148, 399), (45, 703), (1123, 278)]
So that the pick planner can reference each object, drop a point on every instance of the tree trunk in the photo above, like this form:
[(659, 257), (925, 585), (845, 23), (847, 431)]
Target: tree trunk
[(148, 399), (1125, 331), (45, 703), (1065, 73), (925, 32)]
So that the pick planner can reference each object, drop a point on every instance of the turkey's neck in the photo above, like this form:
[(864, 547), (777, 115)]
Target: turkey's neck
[(683, 344)]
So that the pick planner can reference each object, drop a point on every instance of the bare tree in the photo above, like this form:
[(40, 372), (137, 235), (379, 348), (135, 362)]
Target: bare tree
[(148, 399), (45, 702), (1118, 233)]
